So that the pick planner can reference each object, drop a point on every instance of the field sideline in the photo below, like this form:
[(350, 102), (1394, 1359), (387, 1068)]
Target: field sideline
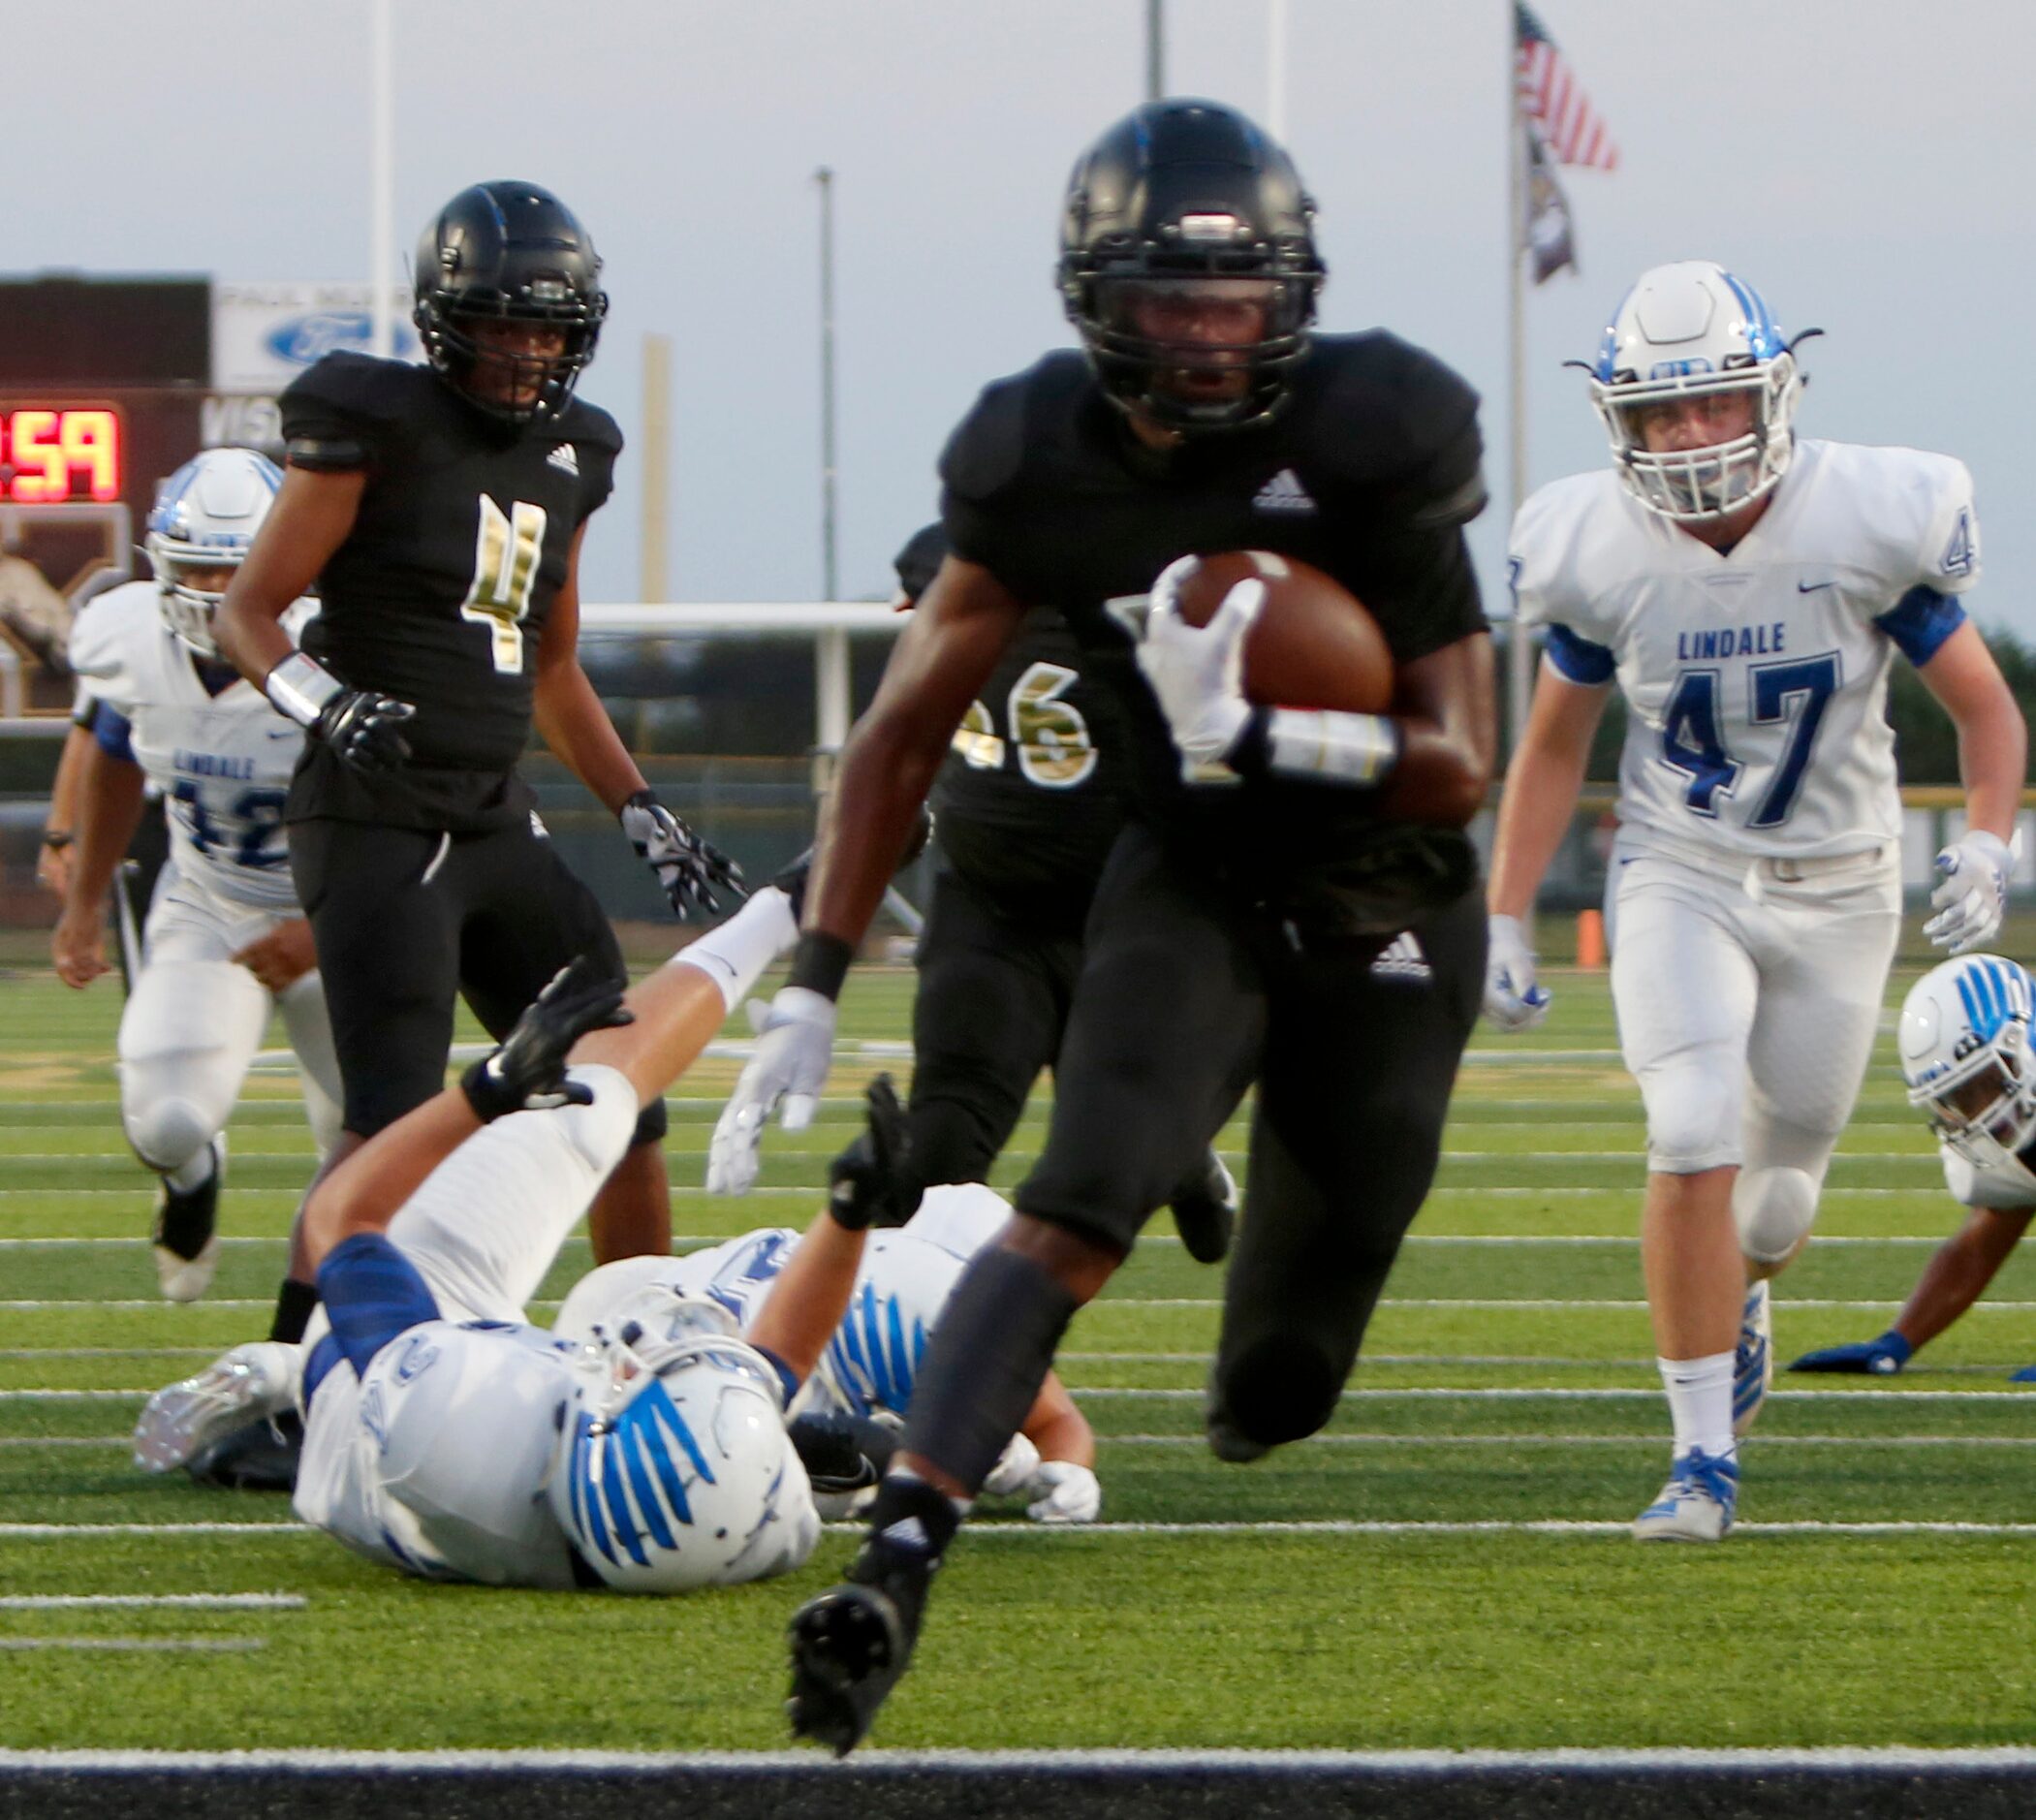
[(1447, 1569)]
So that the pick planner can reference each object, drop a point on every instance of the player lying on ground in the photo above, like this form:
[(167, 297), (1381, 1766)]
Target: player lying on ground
[(446, 1437), (1967, 1057), (864, 1382), (1746, 593), (224, 943)]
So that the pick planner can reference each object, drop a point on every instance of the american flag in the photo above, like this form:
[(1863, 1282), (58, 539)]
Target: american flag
[(1550, 99)]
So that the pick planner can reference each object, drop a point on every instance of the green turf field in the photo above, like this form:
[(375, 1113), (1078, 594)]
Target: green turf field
[(1383, 1586)]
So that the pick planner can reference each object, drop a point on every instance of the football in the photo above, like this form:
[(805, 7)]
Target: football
[(1312, 645)]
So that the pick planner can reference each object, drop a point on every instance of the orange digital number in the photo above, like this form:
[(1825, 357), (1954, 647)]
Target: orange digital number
[(36, 443), (91, 440)]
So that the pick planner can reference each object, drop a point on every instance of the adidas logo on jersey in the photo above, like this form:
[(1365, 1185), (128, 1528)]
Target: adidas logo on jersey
[(1401, 959), (566, 457), (1283, 492)]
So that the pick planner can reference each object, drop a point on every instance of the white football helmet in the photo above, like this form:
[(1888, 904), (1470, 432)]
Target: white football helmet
[(1685, 330), (1966, 1056), (673, 1469), (205, 516)]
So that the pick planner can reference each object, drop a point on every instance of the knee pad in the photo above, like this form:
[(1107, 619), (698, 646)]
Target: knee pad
[(167, 1132), (651, 1123), (1279, 1389), (1693, 1124), (1772, 1209)]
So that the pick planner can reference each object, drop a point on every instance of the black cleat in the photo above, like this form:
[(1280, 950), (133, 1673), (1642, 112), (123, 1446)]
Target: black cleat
[(1206, 1213), (851, 1645), (260, 1456)]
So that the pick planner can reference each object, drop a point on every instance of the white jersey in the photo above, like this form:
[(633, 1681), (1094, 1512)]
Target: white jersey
[(2008, 1184), (907, 1274), (435, 1463), (222, 762), (1755, 680)]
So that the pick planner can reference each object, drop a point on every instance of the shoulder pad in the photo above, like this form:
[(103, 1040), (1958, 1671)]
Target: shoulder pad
[(335, 414), (1553, 565), (1392, 416), (588, 425), (104, 636), (988, 450)]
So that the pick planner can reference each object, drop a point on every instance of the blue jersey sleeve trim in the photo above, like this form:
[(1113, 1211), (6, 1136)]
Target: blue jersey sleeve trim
[(1578, 658), (109, 727), (1921, 621), (371, 1293)]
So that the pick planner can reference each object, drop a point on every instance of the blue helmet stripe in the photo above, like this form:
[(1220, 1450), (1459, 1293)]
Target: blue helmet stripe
[(611, 1488), (1762, 338), (873, 1340), (900, 1355), (586, 1488), (634, 1444), (668, 1412)]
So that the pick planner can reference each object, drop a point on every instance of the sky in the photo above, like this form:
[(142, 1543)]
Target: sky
[(1868, 163)]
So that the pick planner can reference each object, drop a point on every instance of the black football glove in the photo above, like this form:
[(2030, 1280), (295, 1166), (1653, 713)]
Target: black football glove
[(863, 1182), (528, 1074), (364, 728), (688, 867)]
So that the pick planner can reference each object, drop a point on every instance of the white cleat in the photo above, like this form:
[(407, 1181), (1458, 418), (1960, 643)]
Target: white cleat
[(1753, 1359), (185, 1244), (1696, 1505), (254, 1380)]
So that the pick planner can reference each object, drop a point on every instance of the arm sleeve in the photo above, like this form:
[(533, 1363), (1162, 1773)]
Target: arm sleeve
[(1578, 658), (113, 731)]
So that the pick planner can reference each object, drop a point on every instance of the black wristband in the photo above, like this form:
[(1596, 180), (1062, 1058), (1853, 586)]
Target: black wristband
[(820, 963), (1252, 749)]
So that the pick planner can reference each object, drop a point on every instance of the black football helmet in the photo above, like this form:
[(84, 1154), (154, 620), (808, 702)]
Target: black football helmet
[(1178, 191), (513, 252)]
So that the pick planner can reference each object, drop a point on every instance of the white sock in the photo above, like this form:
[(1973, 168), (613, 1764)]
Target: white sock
[(735, 956), (193, 1173), (1700, 1404)]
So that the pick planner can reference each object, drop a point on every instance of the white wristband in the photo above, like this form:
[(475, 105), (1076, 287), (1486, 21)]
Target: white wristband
[(1335, 747), (300, 687)]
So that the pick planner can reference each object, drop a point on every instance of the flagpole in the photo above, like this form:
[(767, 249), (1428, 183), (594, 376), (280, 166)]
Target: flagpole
[(1520, 667)]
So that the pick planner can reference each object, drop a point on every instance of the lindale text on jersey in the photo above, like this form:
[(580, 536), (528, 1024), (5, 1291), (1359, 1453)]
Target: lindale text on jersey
[(1733, 641)]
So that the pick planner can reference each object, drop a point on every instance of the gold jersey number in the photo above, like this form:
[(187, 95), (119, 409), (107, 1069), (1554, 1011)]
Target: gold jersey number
[(1049, 736), (507, 549)]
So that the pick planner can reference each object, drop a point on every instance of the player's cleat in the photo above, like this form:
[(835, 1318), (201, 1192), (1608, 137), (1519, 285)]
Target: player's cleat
[(1880, 1358), (1696, 1505), (258, 1455), (180, 1423), (1753, 1359), (185, 1241), (851, 1645), (1205, 1215)]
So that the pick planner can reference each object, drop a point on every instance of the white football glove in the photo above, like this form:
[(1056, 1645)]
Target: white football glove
[(1512, 999), (794, 1047), (1197, 674), (1064, 1492), (1972, 891), (1014, 1470)]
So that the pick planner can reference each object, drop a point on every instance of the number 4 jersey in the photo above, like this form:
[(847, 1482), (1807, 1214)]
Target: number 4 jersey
[(440, 593), (223, 761), (1755, 680)]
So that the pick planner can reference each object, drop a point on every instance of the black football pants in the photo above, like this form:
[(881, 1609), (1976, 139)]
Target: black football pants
[(405, 919), (1185, 998)]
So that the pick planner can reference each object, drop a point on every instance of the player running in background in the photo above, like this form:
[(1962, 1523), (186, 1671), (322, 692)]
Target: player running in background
[(1746, 591), (1028, 801), (1968, 1060), (225, 942), (440, 510), (1241, 929)]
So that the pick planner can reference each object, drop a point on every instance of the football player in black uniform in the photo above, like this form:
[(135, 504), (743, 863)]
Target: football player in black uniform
[(439, 510), (1029, 798), (1306, 919)]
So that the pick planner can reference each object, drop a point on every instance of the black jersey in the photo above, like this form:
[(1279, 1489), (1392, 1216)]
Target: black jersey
[(442, 589), (1036, 786), (1369, 472)]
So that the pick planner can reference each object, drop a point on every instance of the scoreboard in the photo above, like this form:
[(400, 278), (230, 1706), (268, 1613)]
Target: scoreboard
[(103, 384)]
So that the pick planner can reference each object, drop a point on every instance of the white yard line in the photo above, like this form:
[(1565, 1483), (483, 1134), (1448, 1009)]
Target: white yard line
[(141, 1645), (142, 1601)]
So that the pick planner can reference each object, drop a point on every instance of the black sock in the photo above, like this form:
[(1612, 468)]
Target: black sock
[(294, 1301), (894, 1540), (990, 1352)]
